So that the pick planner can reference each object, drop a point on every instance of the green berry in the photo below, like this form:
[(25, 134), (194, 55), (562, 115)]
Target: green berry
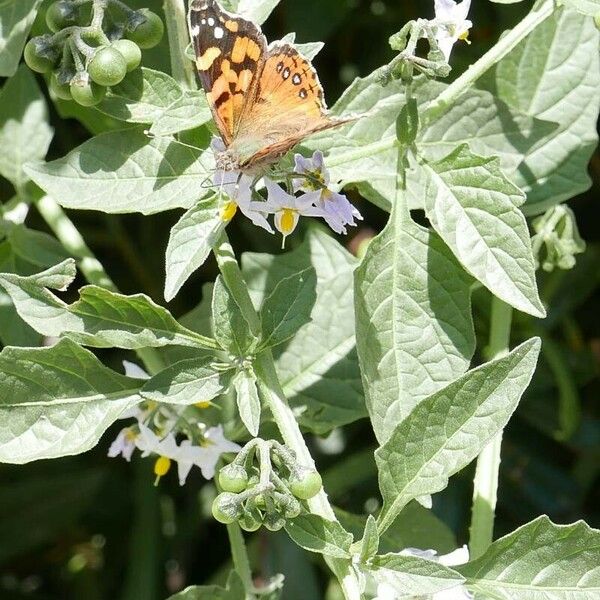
[(131, 53), (249, 523), (274, 522), (291, 507), (39, 55), (226, 508), (306, 484), (61, 14), (233, 478), (60, 86), (85, 91), (107, 67), (145, 28)]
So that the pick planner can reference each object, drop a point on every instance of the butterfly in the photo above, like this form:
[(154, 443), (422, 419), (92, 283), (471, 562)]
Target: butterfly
[(264, 99)]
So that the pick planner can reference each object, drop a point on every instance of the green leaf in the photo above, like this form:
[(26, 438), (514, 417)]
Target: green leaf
[(191, 240), (16, 19), (253, 10), (248, 402), (148, 96), (230, 328), (124, 171), (413, 319), (35, 247), (318, 367), (187, 382), (539, 561), (99, 318), (234, 591), (369, 544), (414, 527), (57, 401), (449, 429), (554, 75), (288, 307), (474, 208), (24, 131), (316, 534), (412, 575)]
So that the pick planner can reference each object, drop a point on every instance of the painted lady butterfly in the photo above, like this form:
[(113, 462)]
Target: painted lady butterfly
[(264, 99)]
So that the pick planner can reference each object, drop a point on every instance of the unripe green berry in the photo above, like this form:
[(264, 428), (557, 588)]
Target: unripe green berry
[(233, 478), (61, 14), (274, 522), (107, 67), (291, 507), (60, 86), (145, 28), (226, 508), (248, 522), (39, 55), (305, 484), (85, 91), (131, 53)]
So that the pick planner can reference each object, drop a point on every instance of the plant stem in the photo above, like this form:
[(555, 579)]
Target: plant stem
[(485, 484), (90, 266), (182, 68), (271, 391), (240, 557)]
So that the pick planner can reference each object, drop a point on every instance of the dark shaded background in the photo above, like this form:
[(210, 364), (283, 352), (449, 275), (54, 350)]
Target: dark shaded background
[(93, 528)]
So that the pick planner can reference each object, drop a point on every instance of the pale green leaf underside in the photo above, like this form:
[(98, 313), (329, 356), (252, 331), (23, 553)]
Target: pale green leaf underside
[(248, 401), (57, 401), (187, 382), (16, 19), (412, 576), (474, 208), (191, 240), (99, 318), (149, 96), (413, 318), (316, 534), (539, 561), (445, 432), (24, 131), (125, 171)]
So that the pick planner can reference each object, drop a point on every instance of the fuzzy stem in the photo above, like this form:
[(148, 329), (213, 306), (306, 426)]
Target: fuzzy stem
[(181, 67), (240, 556), (271, 391), (485, 484)]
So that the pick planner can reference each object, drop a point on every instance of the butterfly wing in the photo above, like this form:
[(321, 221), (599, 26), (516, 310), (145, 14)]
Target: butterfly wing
[(230, 53), (288, 105)]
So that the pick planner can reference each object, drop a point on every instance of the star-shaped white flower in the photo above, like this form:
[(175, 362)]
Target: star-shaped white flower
[(237, 188), (215, 444), (124, 444), (452, 24), (288, 209), (337, 209)]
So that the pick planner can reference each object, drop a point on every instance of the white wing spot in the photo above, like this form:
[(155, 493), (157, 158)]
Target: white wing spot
[(203, 21), (211, 21), (219, 33), (195, 29)]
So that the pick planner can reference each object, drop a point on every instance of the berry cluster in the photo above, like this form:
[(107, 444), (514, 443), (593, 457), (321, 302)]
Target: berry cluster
[(264, 486), (93, 45)]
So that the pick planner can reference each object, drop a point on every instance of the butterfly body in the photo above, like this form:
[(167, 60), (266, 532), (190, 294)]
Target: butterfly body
[(264, 99)]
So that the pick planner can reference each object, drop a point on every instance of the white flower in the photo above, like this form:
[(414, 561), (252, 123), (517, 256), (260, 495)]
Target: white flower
[(215, 444), (337, 209), (452, 24), (124, 444), (238, 188), (288, 208)]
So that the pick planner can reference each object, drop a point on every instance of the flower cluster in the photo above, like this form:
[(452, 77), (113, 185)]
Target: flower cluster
[(153, 435), (311, 197)]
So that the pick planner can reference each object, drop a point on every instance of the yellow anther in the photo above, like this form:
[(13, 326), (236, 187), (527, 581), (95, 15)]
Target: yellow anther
[(465, 37), (288, 221), (228, 211), (204, 404), (161, 467)]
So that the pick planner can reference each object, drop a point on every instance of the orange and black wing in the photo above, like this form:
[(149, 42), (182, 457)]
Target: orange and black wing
[(230, 53), (289, 103)]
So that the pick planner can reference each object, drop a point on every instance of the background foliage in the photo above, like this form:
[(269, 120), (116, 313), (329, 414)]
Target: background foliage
[(87, 527)]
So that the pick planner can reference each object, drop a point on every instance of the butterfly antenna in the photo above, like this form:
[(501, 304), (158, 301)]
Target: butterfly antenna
[(173, 139)]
